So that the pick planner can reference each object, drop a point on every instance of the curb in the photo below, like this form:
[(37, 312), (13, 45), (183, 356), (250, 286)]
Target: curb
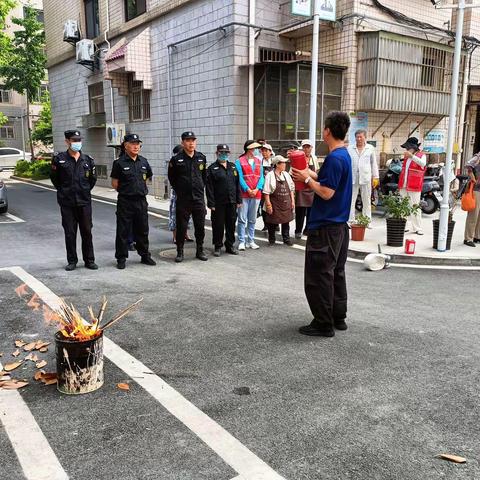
[(355, 254)]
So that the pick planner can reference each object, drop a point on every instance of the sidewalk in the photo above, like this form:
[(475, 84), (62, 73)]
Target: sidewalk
[(459, 255)]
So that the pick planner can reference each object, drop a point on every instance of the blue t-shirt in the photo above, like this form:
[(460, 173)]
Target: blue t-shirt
[(336, 173)]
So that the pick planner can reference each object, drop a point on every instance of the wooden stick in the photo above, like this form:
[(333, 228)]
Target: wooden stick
[(122, 314), (101, 311)]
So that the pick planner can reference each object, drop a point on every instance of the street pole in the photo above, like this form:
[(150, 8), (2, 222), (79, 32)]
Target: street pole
[(444, 207), (312, 134), (23, 134)]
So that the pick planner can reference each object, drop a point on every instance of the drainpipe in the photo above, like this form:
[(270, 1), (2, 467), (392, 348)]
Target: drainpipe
[(251, 67), (112, 105), (169, 101)]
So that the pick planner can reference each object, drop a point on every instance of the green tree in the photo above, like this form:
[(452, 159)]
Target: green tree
[(3, 121), (5, 41), (24, 68), (43, 128)]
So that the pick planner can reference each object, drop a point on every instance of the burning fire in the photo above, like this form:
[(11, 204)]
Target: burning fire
[(72, 325)]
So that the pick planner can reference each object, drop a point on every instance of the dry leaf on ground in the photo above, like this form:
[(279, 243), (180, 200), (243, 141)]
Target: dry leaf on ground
[(452, 458), (11, 366), (43, 349), (3, 372), (20, 343), (46, 378), (16, 353), (31, 356), (41, 344), (12, 384), (50, 381), (123, 386), (29, 346), (38, 375), (41, 364)]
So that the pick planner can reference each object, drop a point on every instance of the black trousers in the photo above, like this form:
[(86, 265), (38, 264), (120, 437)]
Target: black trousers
[(132, 219), (183, 212), (301, 215), (74, 218), (272, 228), (224, 218), (325, 285)]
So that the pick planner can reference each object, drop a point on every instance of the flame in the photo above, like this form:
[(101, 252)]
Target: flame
[(21, 290), (74, 326), (34, 303)]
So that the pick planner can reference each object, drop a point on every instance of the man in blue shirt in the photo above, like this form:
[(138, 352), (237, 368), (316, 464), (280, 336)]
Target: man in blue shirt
[(328, 232)]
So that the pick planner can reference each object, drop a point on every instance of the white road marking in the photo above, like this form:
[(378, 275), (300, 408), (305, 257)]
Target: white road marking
[(301, 247), (13, 218), (36, 457), (225, 445)]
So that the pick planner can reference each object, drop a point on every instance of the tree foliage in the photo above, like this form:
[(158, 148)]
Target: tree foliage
[(43, 128), (5, 41)]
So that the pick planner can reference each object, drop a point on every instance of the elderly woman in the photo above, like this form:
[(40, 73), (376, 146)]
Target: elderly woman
[(279, 194), (472, 225)]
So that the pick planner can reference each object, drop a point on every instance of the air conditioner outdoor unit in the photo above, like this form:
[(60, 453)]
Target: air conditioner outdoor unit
[(71, 32), (115, 133), (85, 52)]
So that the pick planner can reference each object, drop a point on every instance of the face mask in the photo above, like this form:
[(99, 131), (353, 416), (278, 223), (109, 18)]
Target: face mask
[(256, 152), (223, 157), (76, 146)]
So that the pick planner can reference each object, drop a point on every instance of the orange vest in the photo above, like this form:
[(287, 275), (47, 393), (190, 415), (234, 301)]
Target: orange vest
[(415, 175)]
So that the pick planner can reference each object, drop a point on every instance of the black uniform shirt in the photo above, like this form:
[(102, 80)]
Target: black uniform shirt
[(223, 185), (188, 175), (132, 175), (73, 179)]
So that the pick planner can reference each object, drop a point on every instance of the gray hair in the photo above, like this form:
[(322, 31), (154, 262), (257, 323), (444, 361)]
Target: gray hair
[(358, 132)]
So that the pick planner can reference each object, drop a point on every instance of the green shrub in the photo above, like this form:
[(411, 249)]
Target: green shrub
[(40, 170), (22, 167)]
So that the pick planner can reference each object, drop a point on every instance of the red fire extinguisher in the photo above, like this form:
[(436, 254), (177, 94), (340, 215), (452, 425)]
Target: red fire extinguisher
[(410, 247)]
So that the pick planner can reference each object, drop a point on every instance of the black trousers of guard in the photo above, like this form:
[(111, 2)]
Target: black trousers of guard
[(325, 285), (132, 219), (224, 218), (74, 218), (183, 211)]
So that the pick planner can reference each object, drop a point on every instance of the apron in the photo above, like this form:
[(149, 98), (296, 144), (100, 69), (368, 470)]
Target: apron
[(281, 203)]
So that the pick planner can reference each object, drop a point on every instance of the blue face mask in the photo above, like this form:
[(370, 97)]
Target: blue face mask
[(223, 157), (256, 152), (76, 146)]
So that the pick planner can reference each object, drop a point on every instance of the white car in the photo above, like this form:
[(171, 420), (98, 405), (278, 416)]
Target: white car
[(10, 156)]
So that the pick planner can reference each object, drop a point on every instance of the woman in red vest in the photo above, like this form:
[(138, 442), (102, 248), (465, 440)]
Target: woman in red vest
[(411, 179), (250, 175)]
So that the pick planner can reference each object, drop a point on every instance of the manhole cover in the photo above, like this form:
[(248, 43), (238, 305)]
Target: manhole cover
[(189, 252)]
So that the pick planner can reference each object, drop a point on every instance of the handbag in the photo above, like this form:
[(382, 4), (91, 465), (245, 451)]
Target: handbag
[(468, 198)]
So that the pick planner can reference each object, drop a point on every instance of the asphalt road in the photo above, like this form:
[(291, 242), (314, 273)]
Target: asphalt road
[(378, 401)]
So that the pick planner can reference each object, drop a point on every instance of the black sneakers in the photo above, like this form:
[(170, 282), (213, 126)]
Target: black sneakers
[(70, 267), (91, 266), (469, 243), (179, 257), (232, 251), (121, 264), (148, 261), (201, 254), (312, 331), (217, 252), (340, 324)]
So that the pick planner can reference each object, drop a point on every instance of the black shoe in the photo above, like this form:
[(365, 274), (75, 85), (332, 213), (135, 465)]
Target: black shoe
[(131, 247), (312, 331), (265, 229), (189, 240), (469, 243), (148, 261), (91, 266), (277, 228), (232, 251), (340, 324), (298, 235), (288, 242), (201, 255), (271, 243), (217, 252), (179, 257), (70, 267), (476, 240), (121, 264)]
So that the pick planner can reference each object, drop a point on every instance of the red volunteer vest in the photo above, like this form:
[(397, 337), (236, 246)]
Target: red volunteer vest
[(251, 177), (415, 175)]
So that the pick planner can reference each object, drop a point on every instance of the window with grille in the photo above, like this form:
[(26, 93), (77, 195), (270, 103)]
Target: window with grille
[(95, 98), (134, 8), (433, 68), (138, 101), (7, 132), (273, 55), (5, 96)]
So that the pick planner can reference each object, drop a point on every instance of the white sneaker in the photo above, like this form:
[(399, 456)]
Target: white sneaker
[(253, 246), (241, 247)]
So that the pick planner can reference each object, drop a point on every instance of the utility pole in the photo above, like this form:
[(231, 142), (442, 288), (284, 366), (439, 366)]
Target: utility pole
[(312, 134)]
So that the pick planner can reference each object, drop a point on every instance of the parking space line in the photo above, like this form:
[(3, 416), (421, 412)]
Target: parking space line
[(36, 457), (13, 219), (225, 445)]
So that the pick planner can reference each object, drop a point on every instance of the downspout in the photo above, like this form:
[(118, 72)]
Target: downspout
[(251, 67), (112, 105), (169, 101)]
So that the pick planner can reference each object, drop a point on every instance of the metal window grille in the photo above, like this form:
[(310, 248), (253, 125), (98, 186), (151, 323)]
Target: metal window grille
[(95, 98), (433, 68), (5, 96), (138, 101), (7, 132), (272, 55)]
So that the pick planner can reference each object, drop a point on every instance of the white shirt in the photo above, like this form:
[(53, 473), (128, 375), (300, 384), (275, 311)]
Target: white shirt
[(364, 164)]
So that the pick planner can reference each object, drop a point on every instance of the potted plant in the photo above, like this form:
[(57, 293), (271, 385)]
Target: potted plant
[(398, 210), (359, 226)]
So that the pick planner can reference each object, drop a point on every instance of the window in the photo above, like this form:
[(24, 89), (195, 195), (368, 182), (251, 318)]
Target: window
[(38, 12), (7, 132), (138, 101), (42, 89), (95, 98), (101, 171), (5, 95), (134, 8), (92, 26), (433, 68)]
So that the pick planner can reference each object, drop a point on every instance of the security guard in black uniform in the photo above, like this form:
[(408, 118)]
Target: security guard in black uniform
[(73, 174), (187, 173), (223, 198), (130, 172)]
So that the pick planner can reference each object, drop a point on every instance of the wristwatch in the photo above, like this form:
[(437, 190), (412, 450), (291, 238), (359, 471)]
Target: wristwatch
[(308, 179)]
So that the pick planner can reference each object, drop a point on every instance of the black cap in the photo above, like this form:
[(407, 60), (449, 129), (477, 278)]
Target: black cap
[(223, 148), (69, 134), (412, 142), (132, 138), (189, 134)]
